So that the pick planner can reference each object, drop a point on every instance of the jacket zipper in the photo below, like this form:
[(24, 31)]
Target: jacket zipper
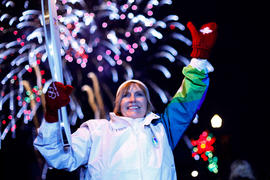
[(136, 133)]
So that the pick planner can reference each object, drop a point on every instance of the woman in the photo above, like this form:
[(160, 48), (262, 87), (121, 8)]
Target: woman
[(134, 143)]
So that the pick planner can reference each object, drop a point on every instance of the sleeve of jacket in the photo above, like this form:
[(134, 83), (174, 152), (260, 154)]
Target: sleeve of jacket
[(49, 145), (188, 99)]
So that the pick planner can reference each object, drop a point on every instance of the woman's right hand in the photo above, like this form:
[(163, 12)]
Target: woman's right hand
[(56, 97)]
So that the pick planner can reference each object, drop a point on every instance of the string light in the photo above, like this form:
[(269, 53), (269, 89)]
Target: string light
[(203, 148)]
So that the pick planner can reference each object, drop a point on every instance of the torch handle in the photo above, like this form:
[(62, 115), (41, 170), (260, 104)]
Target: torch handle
[(53, 48)]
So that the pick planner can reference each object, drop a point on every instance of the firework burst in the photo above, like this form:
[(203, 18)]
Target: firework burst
[(103, 44)]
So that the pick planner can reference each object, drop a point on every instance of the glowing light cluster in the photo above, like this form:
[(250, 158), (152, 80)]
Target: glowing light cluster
[(203, 148)]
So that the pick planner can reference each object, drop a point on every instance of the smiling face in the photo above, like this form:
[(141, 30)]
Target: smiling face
[(133, 102)]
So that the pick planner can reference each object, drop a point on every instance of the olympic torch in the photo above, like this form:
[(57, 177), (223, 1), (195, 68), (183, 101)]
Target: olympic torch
[(53, 48)]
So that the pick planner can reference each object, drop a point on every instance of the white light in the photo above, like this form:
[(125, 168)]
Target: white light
[(196, 157), (130, 15), (196, 119), (111, 36), (194, 173), (31, 54), (87, 19), (216, 121)]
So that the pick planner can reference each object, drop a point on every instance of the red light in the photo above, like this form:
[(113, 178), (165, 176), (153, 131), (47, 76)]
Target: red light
[(69, 26), (193, 142), (29, 70), (39, 55), (19, 98), (13, 128), (204, 157), (172, 27), (204, 134)]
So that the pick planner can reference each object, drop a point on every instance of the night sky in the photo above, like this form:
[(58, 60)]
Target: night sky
[(238, 87)]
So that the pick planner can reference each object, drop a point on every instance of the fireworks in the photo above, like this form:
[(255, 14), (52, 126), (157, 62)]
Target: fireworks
[(103, 44)]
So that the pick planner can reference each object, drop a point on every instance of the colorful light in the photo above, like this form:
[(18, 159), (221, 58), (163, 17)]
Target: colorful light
[(203, 148)]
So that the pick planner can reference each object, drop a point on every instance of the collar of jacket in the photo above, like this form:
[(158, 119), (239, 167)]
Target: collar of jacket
[(119, 122)]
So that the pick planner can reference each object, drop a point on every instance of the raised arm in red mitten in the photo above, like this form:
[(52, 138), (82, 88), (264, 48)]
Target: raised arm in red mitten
[(204, 40), (56, 96)]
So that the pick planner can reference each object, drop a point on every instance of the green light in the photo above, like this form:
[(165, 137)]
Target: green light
[(211, 166), (28, 93), (209, 154), (215, 159), (32, 96), (27, 99)]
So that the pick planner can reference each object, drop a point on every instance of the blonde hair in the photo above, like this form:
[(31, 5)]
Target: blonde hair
[(123, 89)]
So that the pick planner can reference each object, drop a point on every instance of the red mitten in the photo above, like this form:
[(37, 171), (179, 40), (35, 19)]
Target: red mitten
[(56, 96), (204, 40)]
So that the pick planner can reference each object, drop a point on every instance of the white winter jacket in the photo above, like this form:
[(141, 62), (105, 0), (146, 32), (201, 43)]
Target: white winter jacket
[(120, 149)]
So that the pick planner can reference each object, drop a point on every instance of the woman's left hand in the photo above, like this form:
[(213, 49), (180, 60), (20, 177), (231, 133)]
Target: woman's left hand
[(204, 40)]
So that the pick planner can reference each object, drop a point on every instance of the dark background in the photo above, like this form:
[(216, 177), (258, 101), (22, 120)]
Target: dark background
[(238, 85), (237, 93)]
